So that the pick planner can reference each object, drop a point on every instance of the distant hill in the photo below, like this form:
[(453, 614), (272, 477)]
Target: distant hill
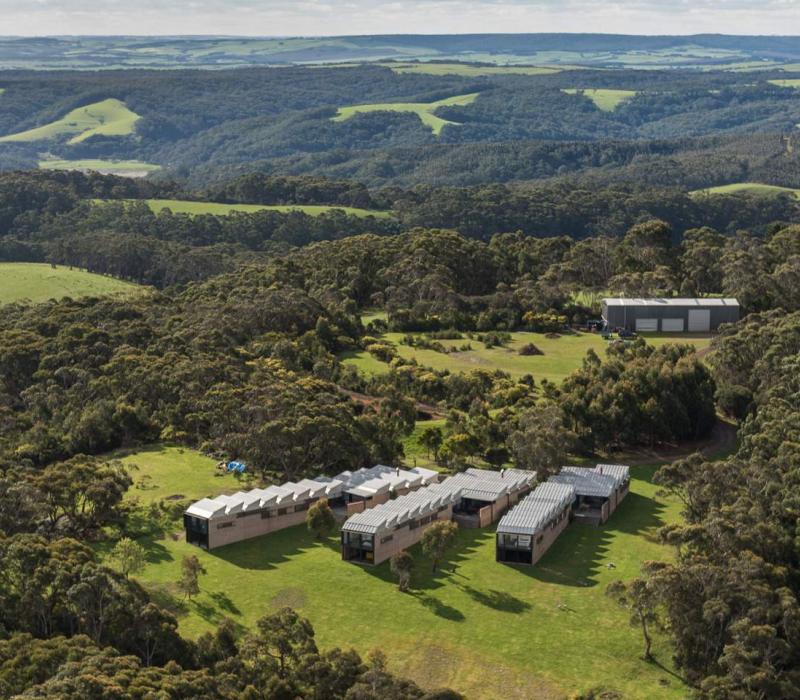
[(610, 50)]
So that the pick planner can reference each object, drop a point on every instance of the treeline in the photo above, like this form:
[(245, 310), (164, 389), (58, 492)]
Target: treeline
[(730, 599)]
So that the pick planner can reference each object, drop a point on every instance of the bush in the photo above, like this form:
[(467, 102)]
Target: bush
[(530, 349)]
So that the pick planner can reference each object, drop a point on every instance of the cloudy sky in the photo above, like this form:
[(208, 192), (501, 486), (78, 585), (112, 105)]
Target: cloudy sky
[(325, 17)]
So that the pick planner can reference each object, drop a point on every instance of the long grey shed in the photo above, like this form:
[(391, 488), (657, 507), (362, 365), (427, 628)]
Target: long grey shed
[(669, 315)]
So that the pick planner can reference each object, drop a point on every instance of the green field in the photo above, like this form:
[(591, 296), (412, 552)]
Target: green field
[(488, 630), (468, 70), (125, 168), (106, 118), (37, 282), (181, 206), (561, 355), (605, 100), (751, 187), (164, 471), (424, 110), (787, 82)]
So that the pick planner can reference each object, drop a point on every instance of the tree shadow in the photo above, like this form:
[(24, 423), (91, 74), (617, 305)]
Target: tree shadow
[(225, 603), (438, 608), (497, 600)]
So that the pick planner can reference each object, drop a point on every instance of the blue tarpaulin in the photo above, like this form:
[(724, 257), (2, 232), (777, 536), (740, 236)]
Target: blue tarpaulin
[(239, 467)]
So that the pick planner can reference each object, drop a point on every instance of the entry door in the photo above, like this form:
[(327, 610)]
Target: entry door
[(699, 320), (646, 325)]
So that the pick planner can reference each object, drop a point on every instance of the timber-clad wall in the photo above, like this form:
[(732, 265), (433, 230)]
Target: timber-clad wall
[(404, 537), (235, 529)]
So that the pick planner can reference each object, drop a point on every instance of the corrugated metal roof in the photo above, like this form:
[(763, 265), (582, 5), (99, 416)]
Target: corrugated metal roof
[(538, 508), (586, 481), (619, 472), (659, 301), (364, 482), (416, 504)]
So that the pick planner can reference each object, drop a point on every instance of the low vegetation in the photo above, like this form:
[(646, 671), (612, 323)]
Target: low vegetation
[(36, 282), (109, 117), (604, 99), (183, 206), (470, 70), (124, 168), (747, 187), (424, 110)]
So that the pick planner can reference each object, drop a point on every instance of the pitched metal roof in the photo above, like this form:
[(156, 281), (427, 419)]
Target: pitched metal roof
[(701, 303), (586, 481), (412, 506), (619, 472), (537, 509), (364, 482), (488, 485)]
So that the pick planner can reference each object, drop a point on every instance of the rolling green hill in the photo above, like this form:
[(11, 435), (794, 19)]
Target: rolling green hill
[(604, 99), (752, 187), (787, 82), (424, 110), (124, 168), (106, 118), (37, 282), (182, 206), (468, 70)]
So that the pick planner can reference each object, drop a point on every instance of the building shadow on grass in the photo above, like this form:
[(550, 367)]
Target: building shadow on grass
[(581, 551), (267, 551)]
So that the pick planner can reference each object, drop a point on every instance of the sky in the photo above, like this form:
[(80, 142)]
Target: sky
[(332, 17)]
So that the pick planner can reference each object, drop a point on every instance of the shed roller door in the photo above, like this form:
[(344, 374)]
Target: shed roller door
[(699, 320), (646, 325), (672, 325)]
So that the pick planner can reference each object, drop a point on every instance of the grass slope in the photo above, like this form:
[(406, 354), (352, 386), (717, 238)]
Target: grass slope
[(127, 168), (424, 110), (488, 630), (180, 206), (106, 118), (561, 355), (787, 82), (468, 70), (165, 471), (605, 100), (37, 282), (752, 187)]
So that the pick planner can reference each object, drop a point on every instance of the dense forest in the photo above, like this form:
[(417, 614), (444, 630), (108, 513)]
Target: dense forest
[(207, 126)]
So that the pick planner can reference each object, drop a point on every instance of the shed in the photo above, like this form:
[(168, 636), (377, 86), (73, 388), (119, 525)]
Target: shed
[(669, 315)]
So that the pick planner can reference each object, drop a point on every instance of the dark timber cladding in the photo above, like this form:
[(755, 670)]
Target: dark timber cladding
[(669, 315)]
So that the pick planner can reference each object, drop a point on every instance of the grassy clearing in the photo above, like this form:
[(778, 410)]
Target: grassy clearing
[(468, 70), (106, 118), (750, 187), (164, 471), (787, 82), (124, 168), (182, 206), (37, 282), (561, 355), (605, 100), (424, 110), (488, 630)]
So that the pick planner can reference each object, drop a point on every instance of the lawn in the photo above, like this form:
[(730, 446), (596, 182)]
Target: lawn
[(37, 282), (488, 630), (124, 168), (561, 355), (605, 100), (105, 118), (751, 187), (424, 110), (786, 82), (469, 70), (182, 206), (166, 471)]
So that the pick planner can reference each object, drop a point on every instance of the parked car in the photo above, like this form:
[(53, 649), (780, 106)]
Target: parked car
[(625, 333)]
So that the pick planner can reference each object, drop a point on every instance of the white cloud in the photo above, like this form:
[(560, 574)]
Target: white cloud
[(327, 17)]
